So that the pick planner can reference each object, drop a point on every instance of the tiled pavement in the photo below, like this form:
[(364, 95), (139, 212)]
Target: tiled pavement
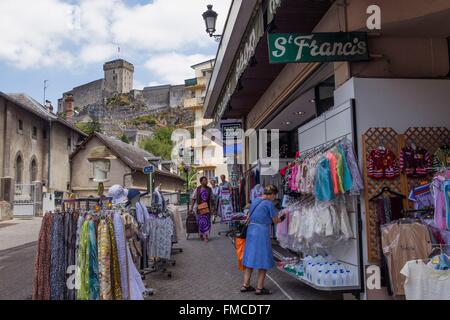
[(209, 272)]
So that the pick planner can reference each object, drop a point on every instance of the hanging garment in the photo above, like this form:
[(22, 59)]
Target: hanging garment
[(104, 261), (425, 283), (421, 196), (402, 243), (122, 255), (94, 284), (339, 169), (415, 162), (440, 215), (382, 164), (57, 271), (347, 177), (441, 158), (446, 186), (43, 260), (333, 171), (256, 192), (71, 253), (116, 288), (357, 182), (83, 263), (323, 181)]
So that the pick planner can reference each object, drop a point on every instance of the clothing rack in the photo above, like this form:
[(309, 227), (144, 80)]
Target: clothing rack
[(322, 147)]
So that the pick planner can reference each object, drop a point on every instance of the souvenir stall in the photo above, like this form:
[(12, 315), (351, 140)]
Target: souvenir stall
[(320, 236), (406, 176), (99, 249)]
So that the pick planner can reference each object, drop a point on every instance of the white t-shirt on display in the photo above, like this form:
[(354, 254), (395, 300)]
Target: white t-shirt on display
[(425, 283)]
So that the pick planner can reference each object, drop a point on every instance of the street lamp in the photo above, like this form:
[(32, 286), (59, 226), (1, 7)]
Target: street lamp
[(210, 17)]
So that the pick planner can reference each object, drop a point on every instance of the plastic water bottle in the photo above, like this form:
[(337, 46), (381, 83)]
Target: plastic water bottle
[(328, 279), (320, 277), (350, 278), (334, 279), (342, 277)]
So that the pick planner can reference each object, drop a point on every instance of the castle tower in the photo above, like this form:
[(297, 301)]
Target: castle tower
[(118, 76)]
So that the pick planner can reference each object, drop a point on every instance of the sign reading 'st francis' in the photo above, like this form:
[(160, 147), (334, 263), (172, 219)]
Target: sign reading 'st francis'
[(318, 47)]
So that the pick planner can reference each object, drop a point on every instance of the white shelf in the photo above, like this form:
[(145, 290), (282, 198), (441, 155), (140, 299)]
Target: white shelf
[(320, 288)]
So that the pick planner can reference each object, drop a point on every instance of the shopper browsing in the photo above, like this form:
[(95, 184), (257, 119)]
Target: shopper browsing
[(258, 246)]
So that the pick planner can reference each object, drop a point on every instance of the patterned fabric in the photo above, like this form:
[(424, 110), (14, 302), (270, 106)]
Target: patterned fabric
[(160, 238), (83, 263), (441, 158), (115, 264), (415, 162), (357, 182), (122, 255), (382, 164), (104, 261), (204, 224), (57, 273), (94, 285), (43, 260)]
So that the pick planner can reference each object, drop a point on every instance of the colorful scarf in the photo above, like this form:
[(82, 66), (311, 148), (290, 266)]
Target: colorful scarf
[(104, 261), (115, 264)]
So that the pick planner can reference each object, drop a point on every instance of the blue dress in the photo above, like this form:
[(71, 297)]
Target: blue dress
[(258, 247)]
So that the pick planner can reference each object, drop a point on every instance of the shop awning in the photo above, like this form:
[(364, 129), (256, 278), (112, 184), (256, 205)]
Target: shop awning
[(292, 16)]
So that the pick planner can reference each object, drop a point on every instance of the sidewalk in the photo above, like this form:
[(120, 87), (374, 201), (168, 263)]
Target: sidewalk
[(210, 272), (17, 232)]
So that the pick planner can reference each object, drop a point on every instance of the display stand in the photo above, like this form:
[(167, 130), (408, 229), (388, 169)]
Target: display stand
[(428, 138), (333, 126)]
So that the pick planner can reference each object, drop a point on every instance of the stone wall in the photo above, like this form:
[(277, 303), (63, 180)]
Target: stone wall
[(88, 94), (5, 211)]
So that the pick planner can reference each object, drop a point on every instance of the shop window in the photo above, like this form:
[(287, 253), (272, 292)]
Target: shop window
[(34, 133)]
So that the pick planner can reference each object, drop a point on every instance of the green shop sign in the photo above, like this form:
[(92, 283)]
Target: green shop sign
[(318, 47)]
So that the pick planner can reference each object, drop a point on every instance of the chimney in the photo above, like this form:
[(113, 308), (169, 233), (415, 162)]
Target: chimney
[(68, 107), (48, 106)]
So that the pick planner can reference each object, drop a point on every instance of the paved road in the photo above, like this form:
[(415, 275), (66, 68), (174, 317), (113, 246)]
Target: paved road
[(17, 272), (209, 271)]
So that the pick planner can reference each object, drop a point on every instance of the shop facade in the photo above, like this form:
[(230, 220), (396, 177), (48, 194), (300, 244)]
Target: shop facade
[(394, 98)]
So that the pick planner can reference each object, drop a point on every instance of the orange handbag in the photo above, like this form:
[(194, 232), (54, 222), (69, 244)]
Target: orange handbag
[(203, 208)]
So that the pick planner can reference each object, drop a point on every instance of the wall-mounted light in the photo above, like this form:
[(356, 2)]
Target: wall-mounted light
[(210, 17), (299, 113)]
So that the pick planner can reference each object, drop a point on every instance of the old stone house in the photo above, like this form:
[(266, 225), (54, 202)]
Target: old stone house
[(126, 169), (35, 146)]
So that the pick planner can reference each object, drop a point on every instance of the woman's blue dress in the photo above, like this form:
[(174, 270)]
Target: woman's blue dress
[(258, 247)]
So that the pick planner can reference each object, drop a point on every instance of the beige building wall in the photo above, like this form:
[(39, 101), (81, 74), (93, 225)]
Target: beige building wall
[(400, 55), (64, 142), (83, 172), (22, 143)]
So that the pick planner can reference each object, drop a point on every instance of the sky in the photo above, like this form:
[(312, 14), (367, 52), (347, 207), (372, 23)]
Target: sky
[(67, 41)]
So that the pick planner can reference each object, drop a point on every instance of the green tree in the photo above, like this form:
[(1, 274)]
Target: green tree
[(160, 144), (124, 138), (89, 127)]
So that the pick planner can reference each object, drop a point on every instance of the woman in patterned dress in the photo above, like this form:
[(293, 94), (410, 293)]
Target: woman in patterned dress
[(202, 195)]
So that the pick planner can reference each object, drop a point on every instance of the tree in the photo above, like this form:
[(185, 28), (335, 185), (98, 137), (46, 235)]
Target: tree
[(160, 144), (124, 138), (89, 127), (190, 177)]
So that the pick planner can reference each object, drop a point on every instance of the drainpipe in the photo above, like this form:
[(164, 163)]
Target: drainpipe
[(49, 136)]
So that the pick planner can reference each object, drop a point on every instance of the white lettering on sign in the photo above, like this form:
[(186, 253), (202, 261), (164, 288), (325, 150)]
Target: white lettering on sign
[(374, 278), (374, 20)]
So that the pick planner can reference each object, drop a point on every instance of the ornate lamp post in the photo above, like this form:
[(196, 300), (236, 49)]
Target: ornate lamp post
[(210, 17)]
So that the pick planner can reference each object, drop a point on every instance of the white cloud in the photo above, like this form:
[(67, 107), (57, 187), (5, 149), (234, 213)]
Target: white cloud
[(45, 33), (173, 67)]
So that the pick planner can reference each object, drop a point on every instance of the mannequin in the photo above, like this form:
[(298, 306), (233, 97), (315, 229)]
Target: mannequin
[(158, 198)]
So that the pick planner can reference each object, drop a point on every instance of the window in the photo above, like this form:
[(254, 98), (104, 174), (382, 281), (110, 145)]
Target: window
[(20, 126), (33, 171), (210, 174), (19, 169), (34, 133)]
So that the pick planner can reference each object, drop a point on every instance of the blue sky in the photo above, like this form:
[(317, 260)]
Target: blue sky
[(66, 42)]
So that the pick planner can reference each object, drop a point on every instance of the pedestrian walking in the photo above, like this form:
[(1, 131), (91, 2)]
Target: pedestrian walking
[(214, 199), (201, 206), (258, 247)]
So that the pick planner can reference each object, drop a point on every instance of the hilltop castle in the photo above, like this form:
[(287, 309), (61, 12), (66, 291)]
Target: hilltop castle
[(118, 79)]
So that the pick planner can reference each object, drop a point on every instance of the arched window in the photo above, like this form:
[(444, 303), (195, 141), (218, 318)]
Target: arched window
[(33, 170), (19, 169)]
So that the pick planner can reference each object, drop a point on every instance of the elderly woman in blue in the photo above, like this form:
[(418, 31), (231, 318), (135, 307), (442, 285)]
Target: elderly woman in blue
[(258, 247)]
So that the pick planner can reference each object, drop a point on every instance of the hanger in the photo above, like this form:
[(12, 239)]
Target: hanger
[(387, 189)]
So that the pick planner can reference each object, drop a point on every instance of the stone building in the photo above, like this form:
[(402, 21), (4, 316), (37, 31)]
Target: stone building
[(34, 150), (126, 170), (118, 79)]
